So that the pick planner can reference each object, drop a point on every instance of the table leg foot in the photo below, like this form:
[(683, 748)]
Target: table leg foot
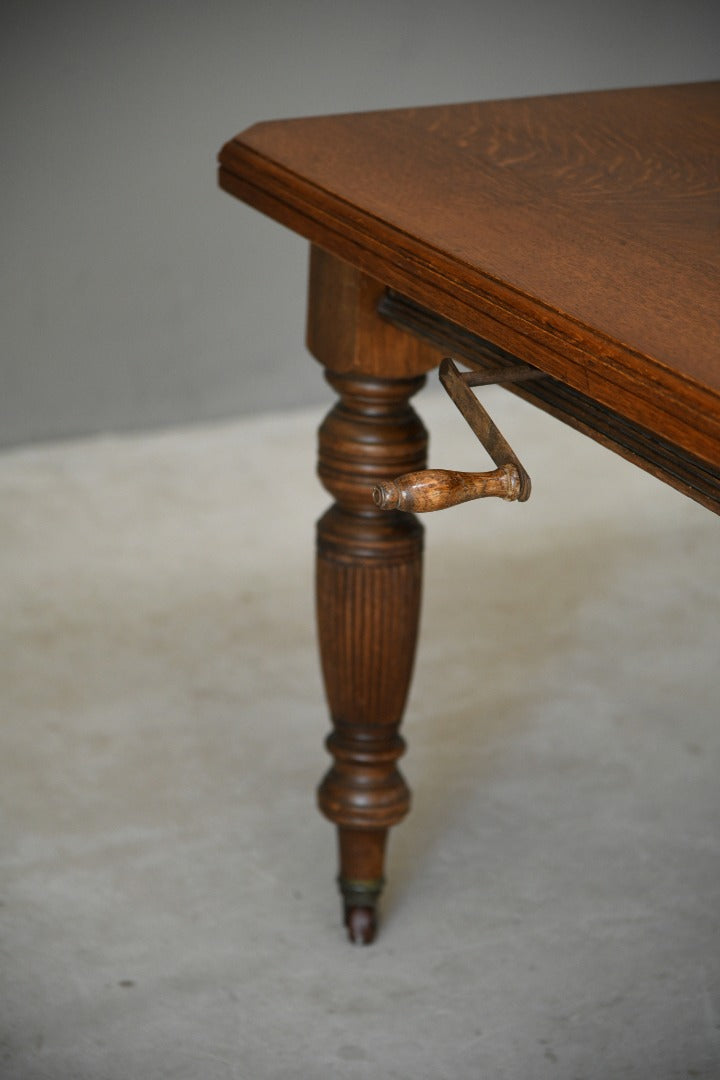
[(361, 924), (362, 854)]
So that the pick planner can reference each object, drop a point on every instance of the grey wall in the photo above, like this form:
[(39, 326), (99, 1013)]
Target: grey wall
[(134, 293)]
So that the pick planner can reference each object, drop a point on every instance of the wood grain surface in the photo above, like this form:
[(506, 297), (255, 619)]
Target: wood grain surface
[(577, 234), (580, 232)]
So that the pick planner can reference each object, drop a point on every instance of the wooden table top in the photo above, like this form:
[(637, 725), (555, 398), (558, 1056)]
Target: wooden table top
[(579, 232)]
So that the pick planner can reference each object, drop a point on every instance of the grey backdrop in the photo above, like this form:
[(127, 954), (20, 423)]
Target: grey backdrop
[(134, 293)]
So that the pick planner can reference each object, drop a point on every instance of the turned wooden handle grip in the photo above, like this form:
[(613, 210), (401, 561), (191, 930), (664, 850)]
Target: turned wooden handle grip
[(436, 489)]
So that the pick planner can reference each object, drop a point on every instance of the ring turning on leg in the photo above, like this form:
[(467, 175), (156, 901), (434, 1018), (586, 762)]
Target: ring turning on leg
[(368, 604)]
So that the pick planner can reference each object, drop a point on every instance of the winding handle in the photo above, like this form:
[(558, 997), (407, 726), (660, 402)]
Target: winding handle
[(437, 489)]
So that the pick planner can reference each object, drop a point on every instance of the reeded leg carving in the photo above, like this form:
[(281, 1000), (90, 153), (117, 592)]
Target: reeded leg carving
[(368, 603)]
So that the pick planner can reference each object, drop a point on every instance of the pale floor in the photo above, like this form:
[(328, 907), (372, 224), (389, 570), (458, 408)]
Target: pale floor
[(168, 903)]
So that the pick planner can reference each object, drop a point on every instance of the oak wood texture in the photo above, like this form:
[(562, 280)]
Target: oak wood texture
[(579, 232), (697, 479), (344, 332), (369, 566), (369, 570)]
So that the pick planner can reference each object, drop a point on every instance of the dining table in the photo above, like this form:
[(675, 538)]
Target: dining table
[(566, 247)]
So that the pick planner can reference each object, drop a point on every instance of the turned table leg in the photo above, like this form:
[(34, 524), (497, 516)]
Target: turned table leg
[(368, 603), (369, 566)]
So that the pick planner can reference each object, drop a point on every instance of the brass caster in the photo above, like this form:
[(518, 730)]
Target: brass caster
[(361, 923)]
